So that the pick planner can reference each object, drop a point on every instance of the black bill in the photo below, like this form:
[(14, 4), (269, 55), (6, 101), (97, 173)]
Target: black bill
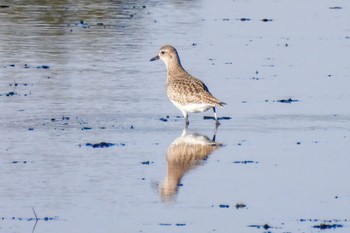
[(155, 58)]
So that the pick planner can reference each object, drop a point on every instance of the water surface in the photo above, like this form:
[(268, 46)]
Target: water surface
[(73, 74)]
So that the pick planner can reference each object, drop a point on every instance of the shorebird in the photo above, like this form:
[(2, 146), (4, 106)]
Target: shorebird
[(186, 92)]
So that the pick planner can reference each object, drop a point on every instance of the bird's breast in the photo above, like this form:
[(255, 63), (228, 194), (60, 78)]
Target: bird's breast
[(192, 107)]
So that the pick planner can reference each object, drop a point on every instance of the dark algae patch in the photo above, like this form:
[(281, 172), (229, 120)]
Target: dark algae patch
[(14, 86), (146, 162), (324, 226), (283, 101), (219, 118), (287, 101), (30, 219), (11, 93), (35, 219), (240, 205), (165, 119), (168, 118), (169, 224), (265, 226), (82, 24), (104, 144), (43, 67), (26, 66), (19, 162), (164, 224), (244, 162), (180, 224), (335, 8)]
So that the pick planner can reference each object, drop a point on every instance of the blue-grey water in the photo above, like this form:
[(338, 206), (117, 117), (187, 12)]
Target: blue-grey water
[(74, 74)]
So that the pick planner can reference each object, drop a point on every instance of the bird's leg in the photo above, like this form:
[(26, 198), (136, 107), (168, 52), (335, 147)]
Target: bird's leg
[(216, 117), (215, 130), (214, 136), (184, 131), (186, 118)]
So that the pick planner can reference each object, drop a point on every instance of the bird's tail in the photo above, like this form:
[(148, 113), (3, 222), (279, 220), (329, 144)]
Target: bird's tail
[(214, 101), (221, 104)]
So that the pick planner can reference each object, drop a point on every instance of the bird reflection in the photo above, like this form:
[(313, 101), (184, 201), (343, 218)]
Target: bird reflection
[(185, 153)]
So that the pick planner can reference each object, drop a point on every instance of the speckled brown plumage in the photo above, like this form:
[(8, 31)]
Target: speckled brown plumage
[(187, 89)]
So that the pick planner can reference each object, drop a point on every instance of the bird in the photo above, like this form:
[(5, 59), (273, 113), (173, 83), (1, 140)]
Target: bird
[(188, 93)]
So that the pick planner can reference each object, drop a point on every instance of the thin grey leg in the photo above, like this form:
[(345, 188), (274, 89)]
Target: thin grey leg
[(216, 117), (184, 131), (186, 118), (215, 132)]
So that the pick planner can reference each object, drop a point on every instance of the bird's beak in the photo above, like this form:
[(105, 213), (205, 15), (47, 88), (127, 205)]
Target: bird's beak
[(155, 58)]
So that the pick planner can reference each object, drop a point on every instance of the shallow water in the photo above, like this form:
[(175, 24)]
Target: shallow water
[(66, 84)]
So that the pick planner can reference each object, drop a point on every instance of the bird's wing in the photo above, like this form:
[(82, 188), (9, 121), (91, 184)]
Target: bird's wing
[(190, 90)]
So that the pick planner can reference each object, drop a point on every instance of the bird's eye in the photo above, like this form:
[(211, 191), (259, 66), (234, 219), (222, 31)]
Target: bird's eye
[(162, 52)]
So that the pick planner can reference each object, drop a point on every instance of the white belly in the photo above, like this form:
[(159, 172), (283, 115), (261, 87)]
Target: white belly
[(192, 107)]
